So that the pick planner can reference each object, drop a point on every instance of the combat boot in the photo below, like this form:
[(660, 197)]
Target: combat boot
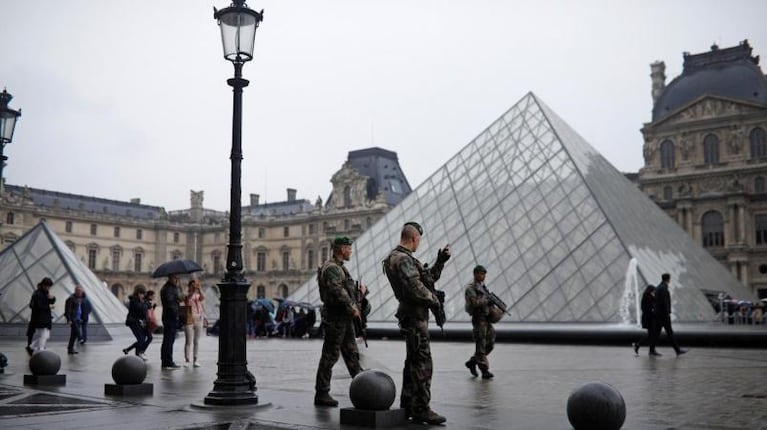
[(428, 417), (486, 374), (324, 399), (472, 365)]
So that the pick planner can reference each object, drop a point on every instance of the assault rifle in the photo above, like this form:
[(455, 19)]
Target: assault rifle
[(438, 310), (495, 300), (361, 323)]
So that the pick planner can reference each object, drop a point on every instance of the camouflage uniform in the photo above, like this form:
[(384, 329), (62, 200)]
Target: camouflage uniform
[(337, 291), (404, 273), (478, 306)]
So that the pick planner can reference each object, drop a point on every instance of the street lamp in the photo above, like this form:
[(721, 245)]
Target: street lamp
[(235, 384), (8, 119)]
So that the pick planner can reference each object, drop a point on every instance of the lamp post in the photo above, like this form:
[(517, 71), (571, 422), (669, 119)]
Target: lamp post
[(8, 119), (235, 385)]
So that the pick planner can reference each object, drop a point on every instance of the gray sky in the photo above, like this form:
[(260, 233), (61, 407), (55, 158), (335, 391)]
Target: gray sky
[(128, 98)]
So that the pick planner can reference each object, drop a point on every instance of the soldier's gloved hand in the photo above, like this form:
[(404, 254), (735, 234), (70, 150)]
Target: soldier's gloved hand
[(443, 255), (440, 295)]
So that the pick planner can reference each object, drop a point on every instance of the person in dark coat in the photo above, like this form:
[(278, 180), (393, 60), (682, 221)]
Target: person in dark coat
[(87, 308), (73, 312), (170, 297), (648, 318), (41, 318), (663, 317), (137, 321)]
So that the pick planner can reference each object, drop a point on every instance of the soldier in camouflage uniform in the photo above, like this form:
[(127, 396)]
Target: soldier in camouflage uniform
[(478, 306), (339, 307), (404, 272)]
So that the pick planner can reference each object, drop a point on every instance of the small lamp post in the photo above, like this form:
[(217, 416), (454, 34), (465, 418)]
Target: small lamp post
[(8, 119), (235, 384)]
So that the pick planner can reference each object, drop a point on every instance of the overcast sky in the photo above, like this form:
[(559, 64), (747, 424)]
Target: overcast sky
[(128, 98)]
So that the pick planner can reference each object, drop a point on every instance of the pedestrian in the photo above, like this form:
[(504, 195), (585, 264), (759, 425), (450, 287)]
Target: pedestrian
[(648, 319), (30, 331), (663, 317), (169, 296), (151, 318), (136, 321), (406, 275), (339, 308), (478, 306), (73, 312), (87, 308), (193, 321), (42, 319)]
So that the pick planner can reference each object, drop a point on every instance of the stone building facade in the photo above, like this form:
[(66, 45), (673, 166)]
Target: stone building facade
[(283, 242), (705, 154)]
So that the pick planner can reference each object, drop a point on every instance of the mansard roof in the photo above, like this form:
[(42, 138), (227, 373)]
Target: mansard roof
[(382, 166), (284, 208)]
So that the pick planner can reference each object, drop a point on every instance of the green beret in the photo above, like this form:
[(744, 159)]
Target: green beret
[(480, 268), (341, 240), (416, 226)]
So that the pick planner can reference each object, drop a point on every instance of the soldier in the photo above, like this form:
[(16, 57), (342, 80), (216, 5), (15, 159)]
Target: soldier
[(478, 306), (405, 274), (339, 308)]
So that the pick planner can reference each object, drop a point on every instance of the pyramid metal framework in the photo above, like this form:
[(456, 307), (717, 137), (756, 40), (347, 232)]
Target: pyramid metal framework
[(40, 253), (565, 237)]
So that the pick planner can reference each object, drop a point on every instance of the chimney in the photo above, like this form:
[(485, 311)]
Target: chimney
[(291, 194), (254, 200), (658, 76), (135, 201)]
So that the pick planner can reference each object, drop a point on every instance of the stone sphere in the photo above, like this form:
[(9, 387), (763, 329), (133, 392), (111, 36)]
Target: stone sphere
[(45, 363), (3, 360), (372, 390), (128, 369), (596, 405)]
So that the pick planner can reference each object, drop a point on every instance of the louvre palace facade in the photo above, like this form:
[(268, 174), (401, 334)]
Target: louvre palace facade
[(705, 153), (283, 242)]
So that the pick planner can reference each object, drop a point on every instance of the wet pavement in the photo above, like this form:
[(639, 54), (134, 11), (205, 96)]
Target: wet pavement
[(708, 388)]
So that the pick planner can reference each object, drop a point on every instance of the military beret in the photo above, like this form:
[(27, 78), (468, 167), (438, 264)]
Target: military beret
[(416, 226), (480, 268), (341, 240)]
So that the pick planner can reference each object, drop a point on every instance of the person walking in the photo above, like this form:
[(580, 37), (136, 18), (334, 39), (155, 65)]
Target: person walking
[(41, 318), (478, 306), (73, 312), (193, 322), (136, 321), (339, 308), (663, 317), (405, 274), (648, 319), (86, 309), (169, 296)]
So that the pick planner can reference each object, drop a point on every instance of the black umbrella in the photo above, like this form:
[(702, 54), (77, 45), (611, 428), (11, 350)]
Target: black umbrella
[(176, 267)]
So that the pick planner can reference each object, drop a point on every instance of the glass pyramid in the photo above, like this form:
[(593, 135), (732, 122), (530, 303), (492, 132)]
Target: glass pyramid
[(40, 253), (565, 237)]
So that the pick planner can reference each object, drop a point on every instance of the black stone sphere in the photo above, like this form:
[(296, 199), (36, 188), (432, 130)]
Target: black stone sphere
[(3, 360), (372, 390), (596, 405), (128, 369), (45, 363)]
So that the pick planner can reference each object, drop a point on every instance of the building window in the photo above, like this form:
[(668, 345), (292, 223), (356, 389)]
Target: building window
[(713, 229), (93, 229), (759, 184), (347, 197), (368, 222), (71, 246), (260, 292), (68, 227), (216, 262), (261, 232), (137, 261), (711, 149), (312, 229), (261, 262), (668, 193), (115, 259), (324, 226), (9, 238), (346, 224), (310, 259), (139, 234), (176, 237), (324, 254), (175, 255), (117, 231), (92, 258), (9, 218), (286, 231), (667, 155), (758, 143), (760, 226), (285, 260), (283, 290)]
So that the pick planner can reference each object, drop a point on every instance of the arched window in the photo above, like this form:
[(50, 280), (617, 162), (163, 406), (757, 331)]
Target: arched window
[(260, 292), (283, 290), (310, 261), (759, 184), (668, 193), (713, 229), (347, 197), (710, 149), (758, 143), (667, 155)]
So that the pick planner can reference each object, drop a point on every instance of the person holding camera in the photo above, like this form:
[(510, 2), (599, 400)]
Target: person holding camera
[(136, 321), (483, 315)]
